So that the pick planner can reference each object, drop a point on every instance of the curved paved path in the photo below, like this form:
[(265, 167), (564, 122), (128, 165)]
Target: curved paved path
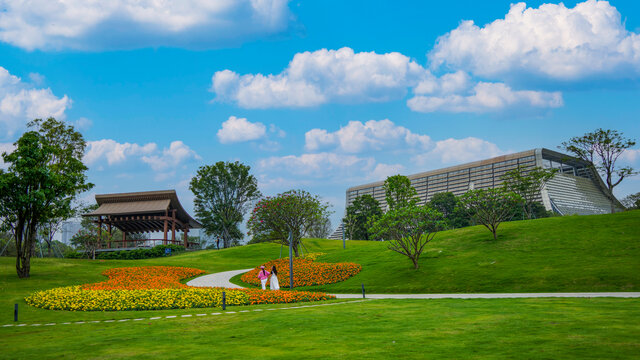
[(221, 279)]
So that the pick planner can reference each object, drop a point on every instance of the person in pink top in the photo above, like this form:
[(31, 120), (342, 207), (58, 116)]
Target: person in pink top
[(263, 275)]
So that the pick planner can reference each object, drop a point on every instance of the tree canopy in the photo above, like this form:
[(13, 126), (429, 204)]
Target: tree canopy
[(223, 193), (399, 192), (527, 183), (295, 211), (409, 229), (448, 205), (45, 175), (601, 149), (363, 209), (490, 207)]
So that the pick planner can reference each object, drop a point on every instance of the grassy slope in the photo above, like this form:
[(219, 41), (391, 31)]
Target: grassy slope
[(379, 329), (580, 253)]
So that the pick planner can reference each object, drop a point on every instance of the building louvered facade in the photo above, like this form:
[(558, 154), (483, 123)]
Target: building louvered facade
[(576, 188)]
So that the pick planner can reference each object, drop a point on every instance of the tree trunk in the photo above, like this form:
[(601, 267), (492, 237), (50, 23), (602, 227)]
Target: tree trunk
[(295, 248), (415, 263), (613, 206)]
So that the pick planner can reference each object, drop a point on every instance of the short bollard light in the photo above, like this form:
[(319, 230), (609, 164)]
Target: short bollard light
[(363, 291), (224, 301), (15, 312)]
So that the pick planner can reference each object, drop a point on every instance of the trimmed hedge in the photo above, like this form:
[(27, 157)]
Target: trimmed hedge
[(157, 251)]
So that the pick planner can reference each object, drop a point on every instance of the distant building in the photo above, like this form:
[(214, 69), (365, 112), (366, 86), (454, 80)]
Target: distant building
[(576, 188), (69, 228)]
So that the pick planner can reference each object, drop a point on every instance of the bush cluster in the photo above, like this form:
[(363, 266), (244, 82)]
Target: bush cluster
[(157, 251)]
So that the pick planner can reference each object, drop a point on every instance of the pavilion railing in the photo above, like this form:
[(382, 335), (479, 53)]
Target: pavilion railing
[(146, 243)]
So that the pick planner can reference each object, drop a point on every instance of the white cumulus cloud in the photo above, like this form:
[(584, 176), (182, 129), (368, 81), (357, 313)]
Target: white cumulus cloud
[(356, 137), (458, 151), (319, 165), (5, 148), (314, 78), (21, 102), (122, 24), (114, 152), (171, 157), (239, 129), (552, 41), (487, 97)]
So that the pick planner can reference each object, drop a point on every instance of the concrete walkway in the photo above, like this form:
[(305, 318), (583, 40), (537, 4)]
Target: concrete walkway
[(221, 279)]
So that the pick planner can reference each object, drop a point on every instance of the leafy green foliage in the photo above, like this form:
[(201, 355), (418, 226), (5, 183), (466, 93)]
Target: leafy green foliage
[(490, 207), (359, 214), (223, 192), (294, 211), (602, 148), (449, 206), (527, 183), (399, 192), (45, 175), (631, 201), (137, 254), (321, 229), (409, 229)]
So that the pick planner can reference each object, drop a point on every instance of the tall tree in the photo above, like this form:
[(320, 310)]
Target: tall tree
[(409, 229), (527, 183), (45, 175), (363, 209), (399, 192), (490, 207), (294, 211), (223, 193), (601, 149)]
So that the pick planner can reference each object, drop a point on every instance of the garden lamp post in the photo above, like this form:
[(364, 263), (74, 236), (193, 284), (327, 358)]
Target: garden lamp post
[(290, 259)]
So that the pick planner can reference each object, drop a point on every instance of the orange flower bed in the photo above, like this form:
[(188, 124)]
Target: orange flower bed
[(144, 277), (154, 288), (259, 296), (306, 272)]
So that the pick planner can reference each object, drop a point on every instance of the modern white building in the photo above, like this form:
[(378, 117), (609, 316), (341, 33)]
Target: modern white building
[(576, 188)]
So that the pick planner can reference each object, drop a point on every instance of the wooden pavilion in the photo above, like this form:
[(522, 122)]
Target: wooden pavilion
[(144, 212)]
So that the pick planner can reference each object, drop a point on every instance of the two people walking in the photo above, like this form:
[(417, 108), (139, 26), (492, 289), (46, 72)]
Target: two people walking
[(263, 275)]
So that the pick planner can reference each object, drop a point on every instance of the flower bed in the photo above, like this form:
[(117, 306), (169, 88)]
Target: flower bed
[(156, 288), (306, 272), (144, 277)]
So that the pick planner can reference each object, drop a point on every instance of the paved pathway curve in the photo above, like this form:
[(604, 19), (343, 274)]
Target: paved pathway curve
[(221, 279)]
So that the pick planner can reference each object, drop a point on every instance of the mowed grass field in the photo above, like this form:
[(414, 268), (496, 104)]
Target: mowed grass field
[(572, 254), (567, 254), (376, 329)]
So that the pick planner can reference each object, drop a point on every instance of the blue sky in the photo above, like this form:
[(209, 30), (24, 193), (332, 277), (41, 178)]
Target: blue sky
[(319, 95)]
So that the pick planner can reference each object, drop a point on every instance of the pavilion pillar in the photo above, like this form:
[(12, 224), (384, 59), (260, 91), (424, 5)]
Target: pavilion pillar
[(110, 238), (124, 239), (99, 232), (186, 236), (164, 240), (173, 227)]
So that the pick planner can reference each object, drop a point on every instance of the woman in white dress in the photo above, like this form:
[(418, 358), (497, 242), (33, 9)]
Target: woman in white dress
[(273, 282)]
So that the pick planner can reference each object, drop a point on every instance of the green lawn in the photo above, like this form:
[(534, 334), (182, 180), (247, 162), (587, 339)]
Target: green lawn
[(580, 253), (575, 253), (377, 329), (587, 253)]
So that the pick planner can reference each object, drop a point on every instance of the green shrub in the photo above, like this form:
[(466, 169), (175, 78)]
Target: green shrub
[(157, 251)]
